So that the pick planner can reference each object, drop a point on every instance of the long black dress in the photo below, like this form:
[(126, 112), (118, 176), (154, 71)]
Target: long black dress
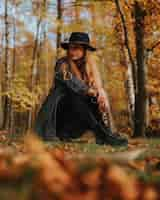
[(66, 113)]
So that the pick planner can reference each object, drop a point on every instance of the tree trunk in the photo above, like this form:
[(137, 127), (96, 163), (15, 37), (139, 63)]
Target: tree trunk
[(128, 76), (1, 81), (34, 69), (1, 103), (59, 17), (141, 94), (130, 90), (7, 71), (131, 83), (12, 125)]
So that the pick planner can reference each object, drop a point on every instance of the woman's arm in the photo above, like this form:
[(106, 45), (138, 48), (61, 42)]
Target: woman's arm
[(95, 74), (97, 82)]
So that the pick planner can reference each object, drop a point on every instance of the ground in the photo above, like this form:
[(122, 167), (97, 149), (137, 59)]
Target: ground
[(33, 169)]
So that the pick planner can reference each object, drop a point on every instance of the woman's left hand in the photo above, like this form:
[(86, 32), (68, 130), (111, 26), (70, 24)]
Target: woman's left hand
[(102, 100)]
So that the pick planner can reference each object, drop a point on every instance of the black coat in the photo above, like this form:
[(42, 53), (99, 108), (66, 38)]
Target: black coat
[(67, 110)]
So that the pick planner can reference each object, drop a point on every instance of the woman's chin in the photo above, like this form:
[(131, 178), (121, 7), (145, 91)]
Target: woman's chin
[(75, 58)]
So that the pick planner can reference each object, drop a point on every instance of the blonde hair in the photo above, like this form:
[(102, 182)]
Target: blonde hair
[(91, 69)]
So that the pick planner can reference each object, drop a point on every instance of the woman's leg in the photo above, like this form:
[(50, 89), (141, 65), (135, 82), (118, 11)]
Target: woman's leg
[(86, 116), (62, 116), (90, 114), (86, 112)]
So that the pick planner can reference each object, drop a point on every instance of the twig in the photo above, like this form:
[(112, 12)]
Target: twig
[(153, 47)]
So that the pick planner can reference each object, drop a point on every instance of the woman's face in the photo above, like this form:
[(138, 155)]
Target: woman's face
[(76, 51)]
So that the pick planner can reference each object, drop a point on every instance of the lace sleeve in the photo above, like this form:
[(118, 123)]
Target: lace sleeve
[(66, 78), (61, 69)]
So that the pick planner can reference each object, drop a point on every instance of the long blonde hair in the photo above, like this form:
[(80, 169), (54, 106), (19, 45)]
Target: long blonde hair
[(91, 69)]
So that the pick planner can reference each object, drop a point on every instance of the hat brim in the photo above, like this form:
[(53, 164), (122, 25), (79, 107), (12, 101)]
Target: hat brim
[(65, 45)]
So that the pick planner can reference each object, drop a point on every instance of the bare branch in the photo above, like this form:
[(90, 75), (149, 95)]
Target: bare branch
[(153, 47)]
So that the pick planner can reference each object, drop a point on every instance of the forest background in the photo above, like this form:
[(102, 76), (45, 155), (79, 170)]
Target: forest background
[(127, 36)]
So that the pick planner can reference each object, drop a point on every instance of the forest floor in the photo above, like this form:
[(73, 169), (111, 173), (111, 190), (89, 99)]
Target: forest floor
[(81, 169)]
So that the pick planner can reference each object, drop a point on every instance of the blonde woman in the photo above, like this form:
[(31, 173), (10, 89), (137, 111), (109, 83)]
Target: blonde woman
[(77, 100)]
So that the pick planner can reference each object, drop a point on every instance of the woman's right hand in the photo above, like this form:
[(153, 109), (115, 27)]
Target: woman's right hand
[(92, 92)]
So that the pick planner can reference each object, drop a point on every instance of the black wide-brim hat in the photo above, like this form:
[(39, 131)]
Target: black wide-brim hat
[(78, 38)]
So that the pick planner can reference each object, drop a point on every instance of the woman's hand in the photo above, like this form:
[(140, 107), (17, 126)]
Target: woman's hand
[(102, 100), (101, 97), (92, 92)]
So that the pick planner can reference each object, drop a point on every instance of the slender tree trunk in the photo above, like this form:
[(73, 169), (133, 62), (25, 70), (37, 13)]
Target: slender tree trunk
[(141, 95), (34, 67), (131, 83), (59, 17), (14, 43), (1, 103), (7, 72), (126, 42), (147, 94), (34, 71), (128, 77), (12, 125), (1, 82), (39, 53), (46, 64), (35, 60)]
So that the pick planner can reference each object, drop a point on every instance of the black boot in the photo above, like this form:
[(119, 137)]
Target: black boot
[(104, 135), (114, 138)]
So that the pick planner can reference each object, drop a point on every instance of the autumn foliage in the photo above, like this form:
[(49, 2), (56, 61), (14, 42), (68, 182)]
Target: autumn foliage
[(40, 172)]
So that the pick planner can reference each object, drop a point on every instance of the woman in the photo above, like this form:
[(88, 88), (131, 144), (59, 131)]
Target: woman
[(77, 100)]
